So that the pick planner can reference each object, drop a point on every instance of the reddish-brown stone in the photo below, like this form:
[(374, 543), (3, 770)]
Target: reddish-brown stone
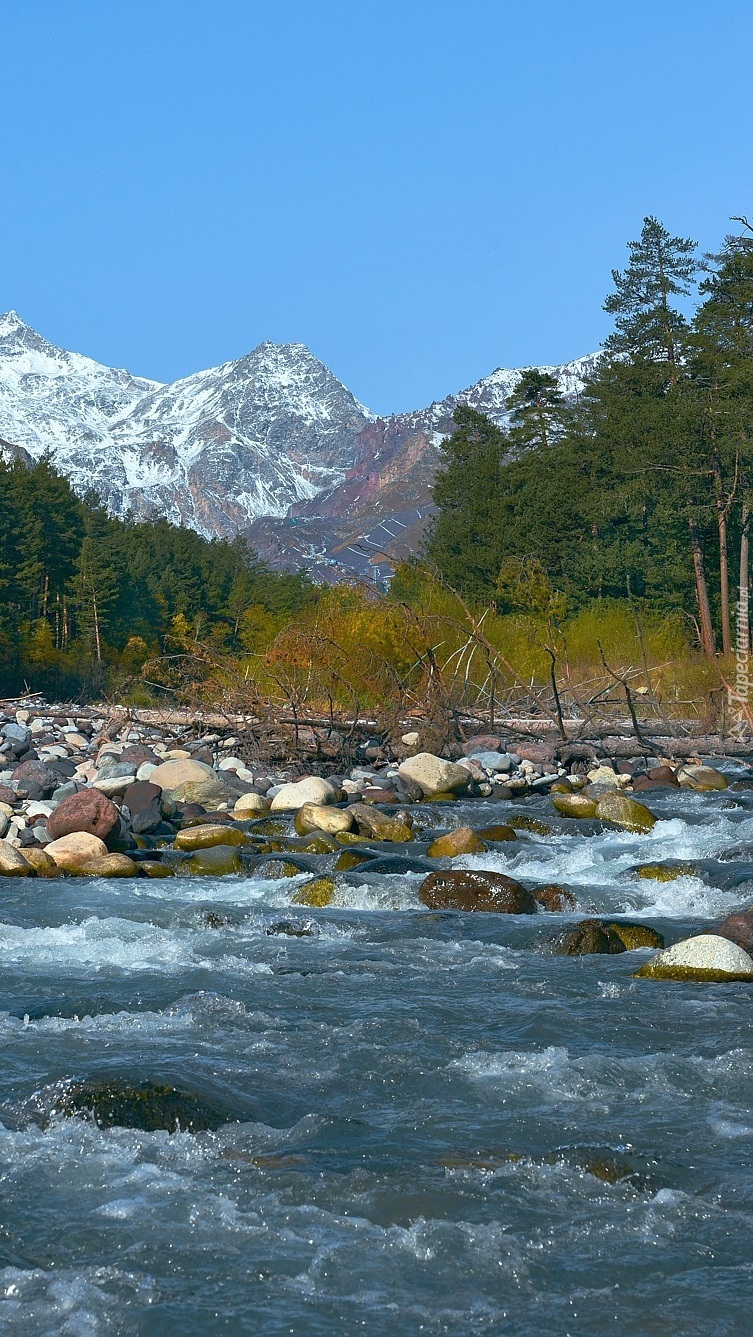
[(738, 928), (555, 898), (90, 811), (36, 773), (664, 773), (467, 889)]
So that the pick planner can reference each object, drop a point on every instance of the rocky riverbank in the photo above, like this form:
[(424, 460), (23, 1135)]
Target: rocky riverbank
[(79, 799)]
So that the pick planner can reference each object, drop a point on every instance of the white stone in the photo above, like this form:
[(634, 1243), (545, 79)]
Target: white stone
[(114, 785), (311, 790), (434, 774), (146, 770), (180, 770), (230, 764), (410, 739), (39, 809), (247, 803), (707, 951)]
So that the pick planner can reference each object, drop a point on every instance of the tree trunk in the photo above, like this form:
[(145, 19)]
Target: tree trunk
[(708, 645), (721, 520), (97, 642)]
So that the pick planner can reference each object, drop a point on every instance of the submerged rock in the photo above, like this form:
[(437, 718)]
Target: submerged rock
[(317, 894), (575, 805), (663, 872), (468, 889), (498, 831), (146, 1106), (590, 937), (554, 898), (708, 958), (292, 928)]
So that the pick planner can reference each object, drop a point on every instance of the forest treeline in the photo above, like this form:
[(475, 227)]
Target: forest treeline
[(641, 490), (88, 599)]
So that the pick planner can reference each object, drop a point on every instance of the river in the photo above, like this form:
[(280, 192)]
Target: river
[(440, 1127)]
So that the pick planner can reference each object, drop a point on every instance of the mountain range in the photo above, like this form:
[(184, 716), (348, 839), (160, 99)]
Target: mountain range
[(271, 445)]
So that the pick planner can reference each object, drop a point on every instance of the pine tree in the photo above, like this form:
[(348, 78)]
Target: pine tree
[(647, 325), (465, 541), (537, 410)]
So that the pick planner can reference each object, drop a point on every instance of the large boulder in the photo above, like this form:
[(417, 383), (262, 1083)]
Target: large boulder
[(207, 835), (625, 811), (707, 958), (89, 810), (312, 789), (702, 778), (469, 889), (434, 774), (592, 936), (109, 865), (172, 775), (217, 861), (738, 928), (73, 850)]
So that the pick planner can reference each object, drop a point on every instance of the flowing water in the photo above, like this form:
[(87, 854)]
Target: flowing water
[(439, 1127)]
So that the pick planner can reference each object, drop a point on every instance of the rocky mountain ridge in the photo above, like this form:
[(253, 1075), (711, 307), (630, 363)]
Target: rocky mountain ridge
[(271, 445)]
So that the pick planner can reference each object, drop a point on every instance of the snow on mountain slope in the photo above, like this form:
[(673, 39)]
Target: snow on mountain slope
[(271, 445)]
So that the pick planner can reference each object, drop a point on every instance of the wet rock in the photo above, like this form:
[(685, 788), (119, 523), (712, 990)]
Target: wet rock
[(625, 812), (317, 894), (738, 928), (153, 868), (12, 862), (88, 811), (498, 831), (77, 848), (525, 823), (434, 774), (41, 862), (310, 790), (634, 936), (206, 836), (109, 865), (590, 937), (371, 822), (574, 805), (663, 872), (466, 889), (396, 864), (554, 898), (322, 817), (292, 928), (217, 861), (146, 1106), (708, 958), (461, 841), (348, 859), (277, 868)]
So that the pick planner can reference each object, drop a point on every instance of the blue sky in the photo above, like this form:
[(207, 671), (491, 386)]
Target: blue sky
[(420, 191)]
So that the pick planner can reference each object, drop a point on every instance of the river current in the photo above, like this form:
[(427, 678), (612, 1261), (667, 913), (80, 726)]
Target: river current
[(440, 1128)]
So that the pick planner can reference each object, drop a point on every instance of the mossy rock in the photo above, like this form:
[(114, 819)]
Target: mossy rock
[(625, 812), (349, 838), (443, 797), (277, 868), (319, 843), (146, 1106), (706, 958), (590, 937), (575, 805), (634, 936), (268, 826), (662, 872), (348, 859), (461, 841), (561, 787), (316, 894), (531, 824), (498, 831), (207, 836), (154, 868), (109, 865), (217, 861)]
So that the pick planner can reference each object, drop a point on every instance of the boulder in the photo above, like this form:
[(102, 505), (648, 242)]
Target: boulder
[(12, 861), (180, 771), (41, 862), (461, 841), (554, 898), (75, 849), (319, 817), (575, 805), (217, 860), (88, 810), (625, 812), (435, 775), (207, 793), (634, 936), (590, 937), (35, 773), (708, 958), (738, 928), (702, 778), (114, 786), (498, 831), (377, 825), (109, 865), (466, 889), (207, 836), (312, 789), (248, 803), (662, 872), (112, 1103), (316, 894)]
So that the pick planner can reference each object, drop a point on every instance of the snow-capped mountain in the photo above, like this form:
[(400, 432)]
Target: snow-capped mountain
[(271, 445)]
